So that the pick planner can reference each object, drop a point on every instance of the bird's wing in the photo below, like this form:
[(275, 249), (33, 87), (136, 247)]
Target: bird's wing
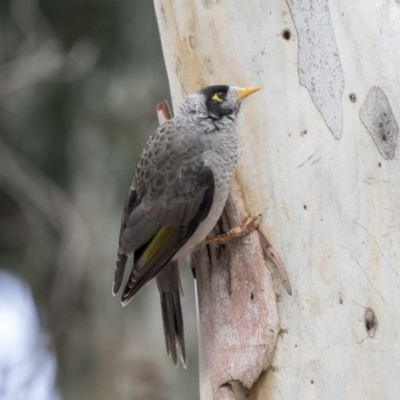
[(171, 194), (171, 174), (150, 258), (136, 230)]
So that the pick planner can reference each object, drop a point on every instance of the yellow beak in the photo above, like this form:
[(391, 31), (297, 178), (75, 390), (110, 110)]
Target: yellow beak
[(247, 91)]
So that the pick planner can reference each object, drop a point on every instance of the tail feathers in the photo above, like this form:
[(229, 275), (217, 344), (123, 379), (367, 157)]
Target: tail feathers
[(173, 326), (169, 286)]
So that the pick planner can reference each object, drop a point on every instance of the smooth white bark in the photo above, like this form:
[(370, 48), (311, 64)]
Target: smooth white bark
[(330, 206)]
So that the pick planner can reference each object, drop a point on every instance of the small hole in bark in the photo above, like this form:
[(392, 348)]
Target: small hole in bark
[(371, 322), (312, 382), (384, 137), (302, 133), (341, 301), (305, 207), (379, 165), (353, 97), (286, 34), (295, 345), (230, 292), (251, 296)]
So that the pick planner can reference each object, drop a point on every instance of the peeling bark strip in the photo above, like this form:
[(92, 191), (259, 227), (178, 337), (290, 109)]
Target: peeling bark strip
[(319, 64), (376, 114), (163, 112), (273, 255), (238, 316)]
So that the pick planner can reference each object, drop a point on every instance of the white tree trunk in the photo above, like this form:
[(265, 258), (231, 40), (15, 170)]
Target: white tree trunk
[(318, 159)]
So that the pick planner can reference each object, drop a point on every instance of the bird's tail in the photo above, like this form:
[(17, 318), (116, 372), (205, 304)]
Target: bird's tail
[(169, 285)]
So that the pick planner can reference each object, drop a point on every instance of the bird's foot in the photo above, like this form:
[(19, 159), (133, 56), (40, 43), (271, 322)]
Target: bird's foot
[(247, 225)]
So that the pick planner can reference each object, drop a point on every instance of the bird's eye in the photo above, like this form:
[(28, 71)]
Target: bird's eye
[(218, 97)]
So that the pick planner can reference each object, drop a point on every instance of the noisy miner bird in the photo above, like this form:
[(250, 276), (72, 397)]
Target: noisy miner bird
[(177, 195)]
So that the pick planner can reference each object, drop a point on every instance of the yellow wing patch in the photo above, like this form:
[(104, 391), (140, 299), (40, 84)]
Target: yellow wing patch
[(157, 243)]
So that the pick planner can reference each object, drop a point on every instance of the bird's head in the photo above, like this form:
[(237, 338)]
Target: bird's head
[(217, 101)]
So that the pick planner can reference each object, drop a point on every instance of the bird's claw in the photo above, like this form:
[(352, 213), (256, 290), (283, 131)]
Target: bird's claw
[(247, 224)]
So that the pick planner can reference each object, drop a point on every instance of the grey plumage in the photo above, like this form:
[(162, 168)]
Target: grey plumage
[(178, 192)]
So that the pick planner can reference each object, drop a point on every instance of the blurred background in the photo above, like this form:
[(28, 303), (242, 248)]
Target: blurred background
[(79, 83)]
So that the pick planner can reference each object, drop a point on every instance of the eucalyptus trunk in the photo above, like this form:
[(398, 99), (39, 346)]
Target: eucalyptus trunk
[(318, 160)]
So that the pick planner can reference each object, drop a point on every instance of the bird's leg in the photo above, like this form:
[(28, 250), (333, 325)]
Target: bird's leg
[(247, 224)]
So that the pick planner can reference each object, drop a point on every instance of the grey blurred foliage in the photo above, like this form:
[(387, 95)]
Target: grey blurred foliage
[(79, 83)]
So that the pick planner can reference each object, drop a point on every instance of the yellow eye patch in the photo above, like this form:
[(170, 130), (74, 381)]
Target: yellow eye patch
[(217, 98)]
